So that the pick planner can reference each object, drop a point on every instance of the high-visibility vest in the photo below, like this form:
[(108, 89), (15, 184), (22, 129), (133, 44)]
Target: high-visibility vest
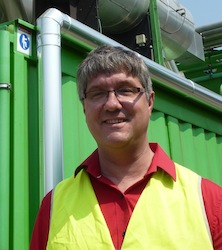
[(168, 215)]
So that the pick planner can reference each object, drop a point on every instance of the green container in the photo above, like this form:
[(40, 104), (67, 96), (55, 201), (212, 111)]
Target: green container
[(190, 132)]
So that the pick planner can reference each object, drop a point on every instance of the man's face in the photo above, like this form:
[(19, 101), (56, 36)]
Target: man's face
[(117, 123)]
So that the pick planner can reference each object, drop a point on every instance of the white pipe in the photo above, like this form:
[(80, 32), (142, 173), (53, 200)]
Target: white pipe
[(211, 34), (209, 27), (49, 51)]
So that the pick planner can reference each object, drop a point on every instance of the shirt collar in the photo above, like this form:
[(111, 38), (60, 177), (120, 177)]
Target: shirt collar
[(91, 165), (160, 160)]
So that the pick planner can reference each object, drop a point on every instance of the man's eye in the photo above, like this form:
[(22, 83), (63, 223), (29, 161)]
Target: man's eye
[(125, 91), (96, 94)]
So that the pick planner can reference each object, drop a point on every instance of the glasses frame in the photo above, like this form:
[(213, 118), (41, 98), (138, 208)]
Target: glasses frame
[(117, 92)]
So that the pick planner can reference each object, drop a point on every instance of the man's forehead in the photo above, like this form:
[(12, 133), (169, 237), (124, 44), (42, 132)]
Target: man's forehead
[(115, 78)]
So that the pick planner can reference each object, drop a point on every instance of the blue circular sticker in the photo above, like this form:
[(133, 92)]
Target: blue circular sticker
[(24, 41)]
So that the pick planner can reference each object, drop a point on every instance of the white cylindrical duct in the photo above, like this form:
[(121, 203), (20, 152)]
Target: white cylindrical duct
[(177, 28), (49, 53), (119, 16), (176, 22)]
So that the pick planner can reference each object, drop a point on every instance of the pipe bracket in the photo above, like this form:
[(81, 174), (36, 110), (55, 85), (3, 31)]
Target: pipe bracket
[(5, 86)]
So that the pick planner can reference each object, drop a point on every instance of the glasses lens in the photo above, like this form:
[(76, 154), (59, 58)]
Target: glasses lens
[(96, 95), (122, 94)]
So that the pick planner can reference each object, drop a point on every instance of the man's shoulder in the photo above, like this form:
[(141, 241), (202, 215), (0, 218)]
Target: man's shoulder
[(211, 188), (212, 197)]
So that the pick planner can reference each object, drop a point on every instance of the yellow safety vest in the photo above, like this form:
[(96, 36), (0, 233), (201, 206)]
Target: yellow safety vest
[(168, 215)]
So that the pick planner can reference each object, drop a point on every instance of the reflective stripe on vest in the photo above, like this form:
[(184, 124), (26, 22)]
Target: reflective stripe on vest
[(168, 215)]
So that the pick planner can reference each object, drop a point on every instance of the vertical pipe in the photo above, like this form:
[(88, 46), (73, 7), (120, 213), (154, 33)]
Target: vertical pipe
[(4, 138), (49, 51)]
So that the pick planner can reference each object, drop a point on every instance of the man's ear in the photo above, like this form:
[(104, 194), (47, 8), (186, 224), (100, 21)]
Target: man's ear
[(151, 100)]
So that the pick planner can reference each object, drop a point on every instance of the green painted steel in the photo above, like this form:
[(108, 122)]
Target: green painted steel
[(208, 72), (191, 146), (78, 143), (19, 176), (189, 132), (19, 140), (156, 34), (4, 138)]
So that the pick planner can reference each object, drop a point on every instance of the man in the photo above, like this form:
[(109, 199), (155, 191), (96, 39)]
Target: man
[(128, 194)]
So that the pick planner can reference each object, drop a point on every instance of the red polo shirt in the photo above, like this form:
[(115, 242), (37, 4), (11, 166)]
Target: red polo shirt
[(117, 207)]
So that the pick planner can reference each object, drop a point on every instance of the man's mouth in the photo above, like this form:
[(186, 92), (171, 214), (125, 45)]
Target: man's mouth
[(114, 121)]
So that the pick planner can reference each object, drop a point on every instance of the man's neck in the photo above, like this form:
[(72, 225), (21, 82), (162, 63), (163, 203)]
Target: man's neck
[(124, 168)]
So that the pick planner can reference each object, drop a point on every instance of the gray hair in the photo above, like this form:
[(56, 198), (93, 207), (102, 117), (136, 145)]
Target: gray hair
[(109, 59)]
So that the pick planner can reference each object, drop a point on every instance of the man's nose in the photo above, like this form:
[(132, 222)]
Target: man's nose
[(112, 102)]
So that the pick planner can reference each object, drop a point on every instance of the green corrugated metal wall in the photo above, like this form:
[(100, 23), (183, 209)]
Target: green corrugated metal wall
[(22, 187), (188, 132), (189, 145)]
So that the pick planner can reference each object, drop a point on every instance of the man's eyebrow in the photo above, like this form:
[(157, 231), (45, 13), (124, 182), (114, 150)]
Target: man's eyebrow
[(102, 85)]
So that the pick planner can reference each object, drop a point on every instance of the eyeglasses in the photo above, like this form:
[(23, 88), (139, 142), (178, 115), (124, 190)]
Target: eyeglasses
[(122, 94)]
